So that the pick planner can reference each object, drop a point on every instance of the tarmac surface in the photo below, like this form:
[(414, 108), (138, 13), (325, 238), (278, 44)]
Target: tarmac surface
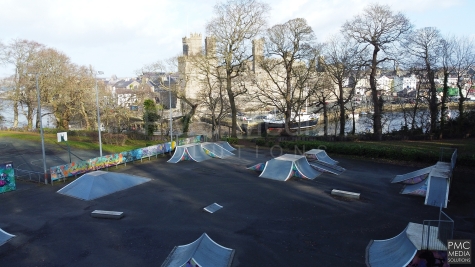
[(267, 222)]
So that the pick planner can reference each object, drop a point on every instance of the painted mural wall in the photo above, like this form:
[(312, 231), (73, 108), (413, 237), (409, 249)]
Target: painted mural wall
[(80, 167), (7, 177)]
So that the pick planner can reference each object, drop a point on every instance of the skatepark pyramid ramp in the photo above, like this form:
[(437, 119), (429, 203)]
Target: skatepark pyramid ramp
[(203, 252), (226, 145), (189, 152), (97, 184), (413, 177), (286, 166), (5, 237), (216, 151), (320, 155)]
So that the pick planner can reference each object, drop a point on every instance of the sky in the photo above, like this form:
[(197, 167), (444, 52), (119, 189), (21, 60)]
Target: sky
[(120, 37)]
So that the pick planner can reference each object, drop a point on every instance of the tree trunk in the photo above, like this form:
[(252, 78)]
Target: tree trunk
[(341, 104), (325, 118), (377, 103), (85, 116), (232, 105)]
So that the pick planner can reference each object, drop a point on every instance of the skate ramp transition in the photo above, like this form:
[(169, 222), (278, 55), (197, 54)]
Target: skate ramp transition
[(286, 166), (216, 151), (5, 237), (325, 167), (203, 252), (320, 155), (397, 251), (413, 177), (401, 249), (226, 145), (435, 188), (189, 152), (97, 184)]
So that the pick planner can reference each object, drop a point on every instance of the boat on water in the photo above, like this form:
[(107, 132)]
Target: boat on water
[(302, 121)]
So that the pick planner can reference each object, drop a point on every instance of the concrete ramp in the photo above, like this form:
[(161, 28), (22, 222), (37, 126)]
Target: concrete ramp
[(97, 184), (305, 169), (325, 167), (286, 166), (216, 151), (397, 251), (5, 237), (226, 145), (437, 192), (259, 167), (197, 153), (419, 189), (276, 169), (413, 177), (202, 252), (320, 155), (189, 152)]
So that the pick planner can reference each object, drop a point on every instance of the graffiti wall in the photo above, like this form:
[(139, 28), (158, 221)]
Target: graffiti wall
[(7, 177), (80, 167)]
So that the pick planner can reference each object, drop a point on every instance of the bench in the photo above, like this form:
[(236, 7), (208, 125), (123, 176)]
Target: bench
[(105, 214), (342, 193)]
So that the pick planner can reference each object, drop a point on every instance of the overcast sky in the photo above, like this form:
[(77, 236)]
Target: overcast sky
[(119, 37)]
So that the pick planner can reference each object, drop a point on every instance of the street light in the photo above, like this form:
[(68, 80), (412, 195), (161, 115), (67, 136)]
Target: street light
[(98, 114), (41, 128), (170, 108)]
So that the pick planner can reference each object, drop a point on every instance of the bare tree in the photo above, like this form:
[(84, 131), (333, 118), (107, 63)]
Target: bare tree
[(380, 28), (424, 48), (463, 62), (235, 24), (342, 63), (288, 68), (21, 54)]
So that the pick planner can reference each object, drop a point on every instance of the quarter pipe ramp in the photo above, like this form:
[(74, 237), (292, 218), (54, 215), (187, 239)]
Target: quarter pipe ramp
[(5, 237), (216, 151), (397, 251)]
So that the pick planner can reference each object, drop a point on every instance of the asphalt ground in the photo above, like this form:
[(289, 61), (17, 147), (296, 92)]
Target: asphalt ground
[(267, 222)]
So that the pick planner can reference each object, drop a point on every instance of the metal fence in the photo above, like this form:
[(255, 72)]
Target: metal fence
[(435, 233), (31, 176)]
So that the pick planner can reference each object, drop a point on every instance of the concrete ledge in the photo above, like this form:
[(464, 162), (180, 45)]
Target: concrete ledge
[(105, 214), (345, 194)]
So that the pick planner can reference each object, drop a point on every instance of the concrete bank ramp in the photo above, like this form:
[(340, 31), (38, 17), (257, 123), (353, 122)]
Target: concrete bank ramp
[(413, 177), (97, 184)]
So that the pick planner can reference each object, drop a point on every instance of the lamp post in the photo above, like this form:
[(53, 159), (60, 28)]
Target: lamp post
[(41, 129), (171, 118), (98, 113)]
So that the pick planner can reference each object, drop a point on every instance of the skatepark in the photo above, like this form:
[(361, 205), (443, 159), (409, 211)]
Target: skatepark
[(266, 222)]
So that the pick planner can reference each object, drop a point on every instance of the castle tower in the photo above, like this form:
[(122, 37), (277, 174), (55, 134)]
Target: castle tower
[(257, 52), (210, 46), (192, 45)]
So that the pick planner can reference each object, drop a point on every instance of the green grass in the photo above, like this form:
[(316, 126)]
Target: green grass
[(409, 151), (80, 142)]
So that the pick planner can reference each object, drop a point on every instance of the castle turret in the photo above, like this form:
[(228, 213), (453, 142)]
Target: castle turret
[(257, 52), (210, 46), (192, 45)]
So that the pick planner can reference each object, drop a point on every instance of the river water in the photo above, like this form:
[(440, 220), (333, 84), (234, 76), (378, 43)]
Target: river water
[(6, 111)]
